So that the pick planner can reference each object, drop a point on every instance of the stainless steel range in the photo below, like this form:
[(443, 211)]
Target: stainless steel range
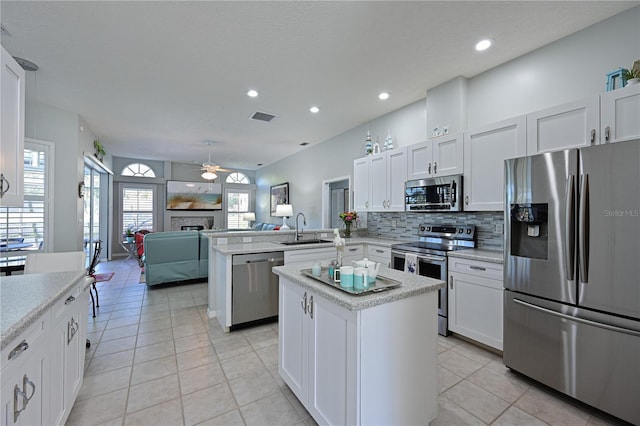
[(431, 257)]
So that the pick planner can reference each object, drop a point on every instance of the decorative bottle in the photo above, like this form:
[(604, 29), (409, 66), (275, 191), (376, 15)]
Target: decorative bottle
[(368, 148)]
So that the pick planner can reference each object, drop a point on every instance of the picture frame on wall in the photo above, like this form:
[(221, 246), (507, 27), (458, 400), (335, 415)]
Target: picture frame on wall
[(193, 195), (279, 195)]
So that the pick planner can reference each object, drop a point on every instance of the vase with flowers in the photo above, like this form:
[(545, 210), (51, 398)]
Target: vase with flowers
[(349, 218)]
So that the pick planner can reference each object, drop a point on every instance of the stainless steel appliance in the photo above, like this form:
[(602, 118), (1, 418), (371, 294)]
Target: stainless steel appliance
[(254, 287), (431, 251), (572, 268), (439, 194)]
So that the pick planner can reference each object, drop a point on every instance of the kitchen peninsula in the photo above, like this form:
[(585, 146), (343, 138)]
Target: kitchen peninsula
[(367, 359)]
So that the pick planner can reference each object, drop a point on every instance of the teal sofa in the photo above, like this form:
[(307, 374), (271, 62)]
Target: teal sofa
[(175, 256)]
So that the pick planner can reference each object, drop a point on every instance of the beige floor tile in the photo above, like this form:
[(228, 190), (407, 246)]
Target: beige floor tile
[(189, 343), (231, 347), (153, 316), (166, 413), (201, 377), (147, 327), (151, 338), (121, 322), (262, 339), (450, 414), (188, 329), (550, 409), (506, 386), (99, 409), (269, 355), (157, 306), (241, 365), (101, 364), (154, 369), (196, 357), (232, 418), (457, 363), (207, 403), (516, 417), (118, 421), (120, 332), (116, 345), (273, 369), (151, 352), (272, 410), (482, 404), (295, 403), (124, 312), (153, 392), (446, 379), (100, 384), (475, 353), (254, 386)]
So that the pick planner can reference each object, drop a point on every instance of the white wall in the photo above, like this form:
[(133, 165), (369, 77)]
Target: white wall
[(569, 69)]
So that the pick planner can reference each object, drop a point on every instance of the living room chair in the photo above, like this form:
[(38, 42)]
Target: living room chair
[(91, 271), (139, 239)]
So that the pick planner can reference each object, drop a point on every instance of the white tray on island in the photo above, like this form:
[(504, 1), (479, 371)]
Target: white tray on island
[(381, 283)]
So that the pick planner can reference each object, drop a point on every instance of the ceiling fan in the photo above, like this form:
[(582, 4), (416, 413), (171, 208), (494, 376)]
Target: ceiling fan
[(210, 169)]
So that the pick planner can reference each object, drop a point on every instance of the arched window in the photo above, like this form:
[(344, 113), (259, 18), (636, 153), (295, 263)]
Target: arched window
[(138, 170), (237, 177)]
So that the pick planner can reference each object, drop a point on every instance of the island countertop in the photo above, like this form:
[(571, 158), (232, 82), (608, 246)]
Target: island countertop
[(24, 298), (412, 285)]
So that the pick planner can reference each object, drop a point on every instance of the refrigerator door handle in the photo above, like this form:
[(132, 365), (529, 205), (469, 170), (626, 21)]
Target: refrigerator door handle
[(577, 319), (583, 229), (569, 231)]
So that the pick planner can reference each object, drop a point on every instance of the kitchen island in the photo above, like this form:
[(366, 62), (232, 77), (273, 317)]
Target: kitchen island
[(366, 359)]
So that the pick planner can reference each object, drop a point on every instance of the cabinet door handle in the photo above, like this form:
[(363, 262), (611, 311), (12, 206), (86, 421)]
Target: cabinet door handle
[(3, 180), (593, 136), (26, 382), (303, 302), (478, 268), (69, 300), (435, 168), (379, 251), (429, 168), (22, 346), (451, 282), (607, 134), (353, 249), (366, 204), (466, 200), (17, 396), (311, 307), (72, 329)]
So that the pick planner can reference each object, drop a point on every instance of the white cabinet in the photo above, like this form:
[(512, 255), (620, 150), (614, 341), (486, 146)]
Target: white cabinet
[(475, 300), (619, 112), (572, 125), (12, 133), (379, 181), (485, 149), (323, 254), (24, 363), (331, 358), (442, 156), (352, 252), (380, 254), (67, 353)]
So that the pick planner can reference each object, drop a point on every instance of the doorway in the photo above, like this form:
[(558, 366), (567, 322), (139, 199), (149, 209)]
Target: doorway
[(336, 198), (95, 200)]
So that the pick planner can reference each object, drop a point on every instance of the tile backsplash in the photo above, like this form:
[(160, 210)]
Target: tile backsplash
[(398, 225)]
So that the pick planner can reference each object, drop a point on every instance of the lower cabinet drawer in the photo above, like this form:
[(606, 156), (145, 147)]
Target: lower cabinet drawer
[(476, 267)]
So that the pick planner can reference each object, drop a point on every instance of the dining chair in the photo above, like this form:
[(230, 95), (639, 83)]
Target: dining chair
[(91, 271)]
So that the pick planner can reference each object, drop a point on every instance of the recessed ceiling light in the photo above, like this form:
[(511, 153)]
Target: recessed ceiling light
[(252, 93), (483, 44), (383, 96), (314, 109)]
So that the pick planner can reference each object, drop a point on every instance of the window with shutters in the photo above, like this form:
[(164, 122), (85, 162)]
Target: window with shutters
[(26, 227), (137, 207), (138, 170), (238, 202)]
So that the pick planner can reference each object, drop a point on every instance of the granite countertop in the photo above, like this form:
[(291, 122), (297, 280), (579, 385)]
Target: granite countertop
[(493, 256), (269, 246), (412, 285), (24, 298)]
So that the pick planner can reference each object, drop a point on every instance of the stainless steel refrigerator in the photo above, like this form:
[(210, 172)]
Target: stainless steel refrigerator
[(572, 273)]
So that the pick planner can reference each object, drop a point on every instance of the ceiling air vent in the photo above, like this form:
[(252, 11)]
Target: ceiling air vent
[(263, 116)]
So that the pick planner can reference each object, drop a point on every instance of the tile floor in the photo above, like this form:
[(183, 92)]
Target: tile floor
[(156, 359)]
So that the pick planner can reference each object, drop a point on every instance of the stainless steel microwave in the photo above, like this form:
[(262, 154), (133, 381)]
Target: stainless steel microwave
[(441, 194)]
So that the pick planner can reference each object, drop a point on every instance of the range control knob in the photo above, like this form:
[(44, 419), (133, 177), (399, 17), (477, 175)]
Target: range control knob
[(460, 230), (468, 231)]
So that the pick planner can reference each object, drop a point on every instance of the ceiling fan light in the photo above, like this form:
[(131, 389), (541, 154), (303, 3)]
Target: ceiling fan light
[(209, 175)]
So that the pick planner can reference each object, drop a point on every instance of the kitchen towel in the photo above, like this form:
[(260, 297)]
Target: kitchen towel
[(411, 263)]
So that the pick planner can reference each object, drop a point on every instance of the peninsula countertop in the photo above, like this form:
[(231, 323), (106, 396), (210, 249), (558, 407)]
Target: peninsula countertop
[(412, 285), (269, 246), (24, 298)]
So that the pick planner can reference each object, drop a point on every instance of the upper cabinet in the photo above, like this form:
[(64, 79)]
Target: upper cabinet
[(573, 125), (619, 112), (12, 142), (485, 149), (442, 156), (378, 181)]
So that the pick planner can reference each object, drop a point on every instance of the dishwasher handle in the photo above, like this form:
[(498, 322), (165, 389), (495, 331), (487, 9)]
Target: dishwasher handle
[(263, 260)]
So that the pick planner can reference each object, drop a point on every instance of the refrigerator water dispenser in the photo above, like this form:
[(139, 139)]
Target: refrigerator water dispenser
[(529, 230)]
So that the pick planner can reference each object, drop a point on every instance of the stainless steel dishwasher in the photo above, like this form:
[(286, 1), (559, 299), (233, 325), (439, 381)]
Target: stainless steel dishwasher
[(254, 287)]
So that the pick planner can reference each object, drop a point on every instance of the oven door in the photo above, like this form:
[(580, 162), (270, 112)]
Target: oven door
[(433, 267)]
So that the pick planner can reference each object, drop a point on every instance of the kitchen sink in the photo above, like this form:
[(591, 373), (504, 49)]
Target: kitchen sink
[(304, 242)]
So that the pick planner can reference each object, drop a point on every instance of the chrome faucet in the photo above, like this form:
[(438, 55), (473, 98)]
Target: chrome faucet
[(304, 222)]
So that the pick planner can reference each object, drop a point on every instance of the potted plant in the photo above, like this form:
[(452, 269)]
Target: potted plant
[(632, 76), (100, 152), (130, 233)]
